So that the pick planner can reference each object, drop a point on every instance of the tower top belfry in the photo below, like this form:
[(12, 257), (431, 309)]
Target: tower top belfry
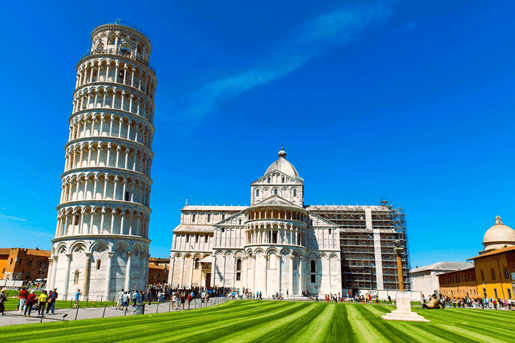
[(101, 241)]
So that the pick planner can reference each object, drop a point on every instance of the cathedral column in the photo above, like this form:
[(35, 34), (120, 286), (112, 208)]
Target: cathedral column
[(301, 275), (182, 271), (265, 276), (108, 274), (245, 268), (291, 273), (67, 275), (213, 271), (170, 273), (280, 260), (191, 273)]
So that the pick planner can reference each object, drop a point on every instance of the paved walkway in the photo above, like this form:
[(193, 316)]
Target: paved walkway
[(15, 318)]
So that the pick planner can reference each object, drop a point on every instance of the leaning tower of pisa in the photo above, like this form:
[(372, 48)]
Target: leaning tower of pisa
[(101, 240)]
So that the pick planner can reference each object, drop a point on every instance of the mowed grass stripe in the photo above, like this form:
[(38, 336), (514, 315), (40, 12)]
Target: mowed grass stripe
[(271, 328), (409, 329), (364, 330), (127, 326), (269, 321), (389, 330), (213, 331), (475, 336), (319, 328), (473, 323)]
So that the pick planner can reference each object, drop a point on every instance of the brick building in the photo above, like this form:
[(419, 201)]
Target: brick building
[(158, 270), (23, 264)]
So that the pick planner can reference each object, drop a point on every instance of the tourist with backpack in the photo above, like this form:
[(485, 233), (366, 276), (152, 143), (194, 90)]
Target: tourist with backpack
[(31, 300), (23, 299), (51, 301)]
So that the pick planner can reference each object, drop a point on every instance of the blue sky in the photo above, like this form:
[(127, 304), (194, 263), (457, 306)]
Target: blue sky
[(410, 101)]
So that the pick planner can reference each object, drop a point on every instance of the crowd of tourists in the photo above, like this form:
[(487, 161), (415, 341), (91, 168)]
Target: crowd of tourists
[(28, 301), (480, 303)]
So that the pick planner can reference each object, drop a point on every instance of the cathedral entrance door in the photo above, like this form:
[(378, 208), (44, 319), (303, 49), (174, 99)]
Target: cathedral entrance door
[(208, 280)]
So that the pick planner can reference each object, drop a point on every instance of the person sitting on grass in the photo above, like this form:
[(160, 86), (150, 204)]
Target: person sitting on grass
[(31, 300)]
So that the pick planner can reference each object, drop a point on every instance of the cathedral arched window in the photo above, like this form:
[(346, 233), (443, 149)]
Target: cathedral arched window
[(268, 180), (197, 263), (193, 217), (283, 179), (294, 192), (208, 218), (257, 192), (275, 191), (99, 262)]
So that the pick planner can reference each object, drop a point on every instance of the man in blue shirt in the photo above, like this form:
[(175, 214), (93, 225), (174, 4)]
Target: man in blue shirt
[(77, 294)]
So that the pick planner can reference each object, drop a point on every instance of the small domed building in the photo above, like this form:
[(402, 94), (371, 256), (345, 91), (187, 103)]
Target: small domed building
[(498, 236)]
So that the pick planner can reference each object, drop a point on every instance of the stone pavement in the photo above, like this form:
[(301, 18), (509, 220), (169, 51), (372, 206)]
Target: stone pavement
[(15, 318)]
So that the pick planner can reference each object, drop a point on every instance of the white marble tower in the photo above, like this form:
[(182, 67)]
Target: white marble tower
[(101, 240)]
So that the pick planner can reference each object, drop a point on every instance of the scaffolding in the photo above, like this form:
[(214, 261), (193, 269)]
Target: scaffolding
[(357, 244)]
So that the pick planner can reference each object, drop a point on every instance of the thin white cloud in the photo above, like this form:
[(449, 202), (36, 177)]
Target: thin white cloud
[(18, 219), (312, 38)]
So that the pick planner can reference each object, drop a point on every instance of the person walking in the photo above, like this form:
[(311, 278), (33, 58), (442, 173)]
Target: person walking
[(42, 302), (23, 299), (125, 300), (149, 296), (135, 297), (3, 299), (31, 300), (51, 301), (189, 300), (120, 299), (77, 295)]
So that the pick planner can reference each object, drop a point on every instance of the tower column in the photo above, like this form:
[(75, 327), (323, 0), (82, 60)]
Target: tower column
[(67, 275), (87, 272), (128, 271), (108, 274)]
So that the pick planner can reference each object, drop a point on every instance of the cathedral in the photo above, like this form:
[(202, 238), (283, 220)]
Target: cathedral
[(277, 244)]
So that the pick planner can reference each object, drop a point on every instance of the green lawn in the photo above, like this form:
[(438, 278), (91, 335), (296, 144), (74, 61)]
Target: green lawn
[(268, 321), (11, 304)]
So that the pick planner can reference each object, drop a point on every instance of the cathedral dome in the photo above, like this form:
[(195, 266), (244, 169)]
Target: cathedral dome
[(498, 236), (283, 165)]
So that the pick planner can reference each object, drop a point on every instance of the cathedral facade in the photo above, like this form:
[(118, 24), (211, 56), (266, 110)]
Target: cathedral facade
[(277, 244)]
